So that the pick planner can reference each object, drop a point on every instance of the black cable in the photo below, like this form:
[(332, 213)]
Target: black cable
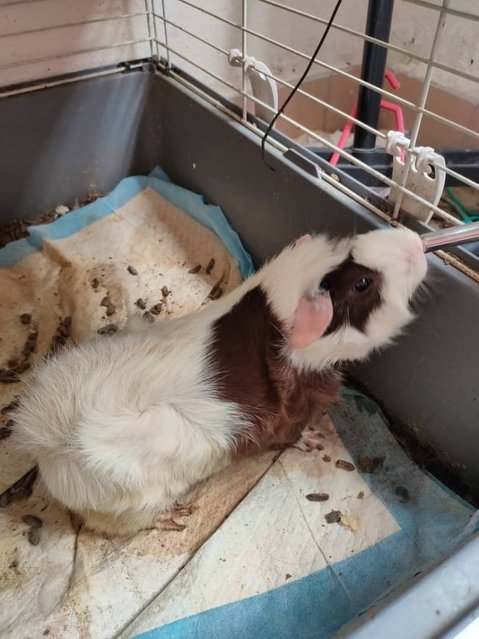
[(299, 82)]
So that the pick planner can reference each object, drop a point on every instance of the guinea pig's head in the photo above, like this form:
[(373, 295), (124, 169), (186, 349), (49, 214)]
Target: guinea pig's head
[(362, 302)]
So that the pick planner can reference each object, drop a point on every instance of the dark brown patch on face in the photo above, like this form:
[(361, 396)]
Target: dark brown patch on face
[(355, 292), (250, 370)]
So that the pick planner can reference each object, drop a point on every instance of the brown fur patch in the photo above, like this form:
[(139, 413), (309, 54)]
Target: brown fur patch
[(251, 371), (351, 306)]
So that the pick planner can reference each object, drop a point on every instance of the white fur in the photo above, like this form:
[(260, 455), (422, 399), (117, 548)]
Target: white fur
[(126, 425), (123, 426), (298, 270)]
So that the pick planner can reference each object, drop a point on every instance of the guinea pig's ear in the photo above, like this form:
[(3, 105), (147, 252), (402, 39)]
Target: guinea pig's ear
[(311, 318)]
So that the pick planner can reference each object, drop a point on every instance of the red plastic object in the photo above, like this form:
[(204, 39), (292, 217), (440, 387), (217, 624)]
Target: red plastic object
[(393, 81), (384, 104)]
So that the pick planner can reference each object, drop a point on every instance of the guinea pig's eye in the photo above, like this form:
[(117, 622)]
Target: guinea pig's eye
[(362, 284)]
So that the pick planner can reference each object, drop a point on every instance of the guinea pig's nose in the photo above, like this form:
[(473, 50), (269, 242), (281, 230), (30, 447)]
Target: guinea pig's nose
[(415, 255)]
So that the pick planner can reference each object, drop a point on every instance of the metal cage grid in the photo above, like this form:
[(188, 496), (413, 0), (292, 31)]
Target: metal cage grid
[(43, 39)]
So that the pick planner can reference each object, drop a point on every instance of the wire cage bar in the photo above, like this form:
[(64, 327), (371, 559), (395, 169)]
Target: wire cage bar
[(195, 38)]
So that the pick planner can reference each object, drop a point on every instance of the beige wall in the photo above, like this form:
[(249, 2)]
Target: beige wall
[(26, 34), (413, 29)]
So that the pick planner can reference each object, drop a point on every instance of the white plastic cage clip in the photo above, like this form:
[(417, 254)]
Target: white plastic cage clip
[(416, 169), (262, 85)]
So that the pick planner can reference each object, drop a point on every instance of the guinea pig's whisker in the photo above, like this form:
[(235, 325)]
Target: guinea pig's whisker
[(278, 330), (424, 292), (355, 225), (432, 279), (348, 316)]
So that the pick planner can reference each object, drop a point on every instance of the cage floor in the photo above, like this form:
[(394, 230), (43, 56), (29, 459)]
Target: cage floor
[(276, 547)]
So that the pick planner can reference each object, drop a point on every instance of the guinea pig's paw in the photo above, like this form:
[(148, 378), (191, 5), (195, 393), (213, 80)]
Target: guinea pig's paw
[(182, 510), (167, 521), (168, 524), (310, 440), (313, 440)]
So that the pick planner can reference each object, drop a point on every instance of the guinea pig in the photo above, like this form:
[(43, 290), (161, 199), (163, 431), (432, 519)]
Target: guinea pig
[(123, 427)]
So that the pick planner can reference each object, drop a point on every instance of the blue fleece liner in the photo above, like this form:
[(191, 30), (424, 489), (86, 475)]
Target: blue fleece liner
[(209, 216), (431, 518)]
